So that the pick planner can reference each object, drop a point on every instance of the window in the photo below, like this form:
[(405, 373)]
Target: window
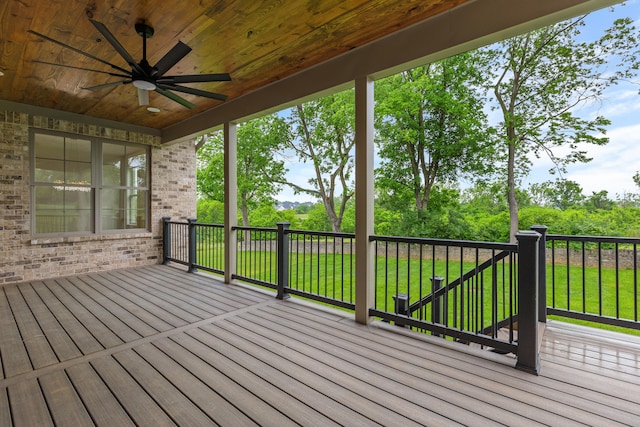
[(82, 185)]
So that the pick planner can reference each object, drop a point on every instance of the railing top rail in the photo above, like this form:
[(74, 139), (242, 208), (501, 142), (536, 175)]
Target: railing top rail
[(248, 228), (594, 239), (322, 233), (511, 247), (176, 222), (206, 224)]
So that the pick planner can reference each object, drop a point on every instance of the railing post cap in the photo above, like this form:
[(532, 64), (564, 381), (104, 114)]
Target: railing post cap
[(191, 220), (528, 235), (166, 218), (283, 224), (537, 227)]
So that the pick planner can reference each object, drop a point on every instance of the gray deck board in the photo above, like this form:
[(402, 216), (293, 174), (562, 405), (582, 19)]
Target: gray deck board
[(110, 317), (28, 407), (366, 387), (158, 346), (225, 380), (194, 387), (98, 399), (138, 404), (66, 407), (15, 359), (181, 410), (63, 346), (38, 347), (526, 399), (5, 411), (83, 339)]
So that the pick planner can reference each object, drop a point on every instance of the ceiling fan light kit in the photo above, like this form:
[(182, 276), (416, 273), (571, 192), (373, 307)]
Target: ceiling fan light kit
[(144, 84), (142, 75)]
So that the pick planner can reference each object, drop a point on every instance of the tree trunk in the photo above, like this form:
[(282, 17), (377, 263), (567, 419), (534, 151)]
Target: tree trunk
[(511, 195), (333, 217), (245, 218)]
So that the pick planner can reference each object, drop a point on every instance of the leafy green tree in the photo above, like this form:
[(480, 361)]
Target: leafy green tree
[(599, 200), (431, 129), (258, 166), (539, 79), (210, 211), (317, 219), (324, 135), (266, 215), (560, 194), (484, 197)]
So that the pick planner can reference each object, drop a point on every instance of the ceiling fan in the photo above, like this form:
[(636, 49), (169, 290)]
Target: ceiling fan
[(142, 75)]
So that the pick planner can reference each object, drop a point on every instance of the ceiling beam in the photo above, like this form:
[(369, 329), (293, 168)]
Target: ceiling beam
[(75, 118), (469, 26)]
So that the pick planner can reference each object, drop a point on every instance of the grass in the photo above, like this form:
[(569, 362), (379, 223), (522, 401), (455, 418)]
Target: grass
[(605, 292)]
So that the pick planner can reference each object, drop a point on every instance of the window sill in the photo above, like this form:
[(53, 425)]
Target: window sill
[(90, 238)]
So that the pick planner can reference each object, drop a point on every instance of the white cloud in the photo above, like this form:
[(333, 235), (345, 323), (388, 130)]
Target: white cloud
[(611, 169)]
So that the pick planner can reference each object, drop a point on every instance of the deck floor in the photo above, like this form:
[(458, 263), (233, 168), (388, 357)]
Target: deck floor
[(158, 346)]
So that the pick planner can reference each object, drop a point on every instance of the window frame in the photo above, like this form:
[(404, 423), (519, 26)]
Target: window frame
[(97, 187)]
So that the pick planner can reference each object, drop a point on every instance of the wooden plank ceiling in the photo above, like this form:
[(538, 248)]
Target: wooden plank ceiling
[(257, 42)]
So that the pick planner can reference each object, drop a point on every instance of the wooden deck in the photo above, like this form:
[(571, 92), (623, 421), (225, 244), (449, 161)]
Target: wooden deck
[(157, 346)]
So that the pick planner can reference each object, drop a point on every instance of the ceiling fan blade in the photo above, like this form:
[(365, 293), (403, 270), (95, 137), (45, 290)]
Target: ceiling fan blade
[(193, 91), (88, 55), (106, 85), (176, 98), (196, 78), (179, 51), (125, 76), (117, 46)]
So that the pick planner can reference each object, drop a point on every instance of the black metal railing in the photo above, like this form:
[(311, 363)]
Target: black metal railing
[(315, 265), (175, 239), (470, 291), (256, 256), (209, 247), (321, 266), (460, 289), (593, 279)]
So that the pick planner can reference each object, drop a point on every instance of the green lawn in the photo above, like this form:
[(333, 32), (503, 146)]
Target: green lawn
[(333, 276)]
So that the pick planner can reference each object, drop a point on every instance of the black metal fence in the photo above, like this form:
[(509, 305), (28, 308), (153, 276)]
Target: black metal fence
[(461, 289), (470, 291), (315, 265), (256, 256), (321, 266), (593, 279)]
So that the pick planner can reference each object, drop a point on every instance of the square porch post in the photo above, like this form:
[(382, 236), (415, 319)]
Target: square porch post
[(230, 199), (364, 199), (528, 253)]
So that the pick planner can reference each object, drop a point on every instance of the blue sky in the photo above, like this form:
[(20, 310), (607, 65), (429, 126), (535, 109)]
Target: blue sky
[(613, 165)]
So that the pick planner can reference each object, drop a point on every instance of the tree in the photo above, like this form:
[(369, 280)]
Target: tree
[(540, 80), (599, 200), (210, 211), (324, 135), (258, 142), (561, 194), (431, 128)]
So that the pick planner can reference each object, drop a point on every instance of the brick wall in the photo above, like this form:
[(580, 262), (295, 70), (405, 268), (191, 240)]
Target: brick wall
[(24, 257)]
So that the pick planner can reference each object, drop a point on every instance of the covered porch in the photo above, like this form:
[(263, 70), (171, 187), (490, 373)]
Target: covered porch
[(156, 345)]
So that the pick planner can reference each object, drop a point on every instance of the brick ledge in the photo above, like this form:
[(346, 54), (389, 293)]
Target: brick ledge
[(91, 238)]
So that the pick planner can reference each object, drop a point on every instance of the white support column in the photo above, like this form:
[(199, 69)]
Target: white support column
[(364, 199), (230, 199)]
